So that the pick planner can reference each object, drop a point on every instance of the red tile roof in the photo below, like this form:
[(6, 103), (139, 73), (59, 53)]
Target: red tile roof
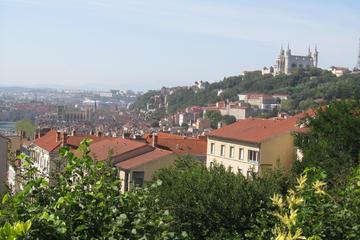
[(116, 146), (180, 144), (256, 130), (76, 140), (48, 141), (143, 159)]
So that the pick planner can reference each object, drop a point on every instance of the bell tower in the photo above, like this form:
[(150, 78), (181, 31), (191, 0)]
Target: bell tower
[(316, 57), (357, 67)]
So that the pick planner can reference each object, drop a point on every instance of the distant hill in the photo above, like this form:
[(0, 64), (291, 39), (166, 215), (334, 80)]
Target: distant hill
[(306, 88)]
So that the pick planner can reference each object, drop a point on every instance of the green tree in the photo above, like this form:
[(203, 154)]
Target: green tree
[(214, 117), (228, 119), (27, 126), (215, 203), (333, 142), (84, 202)]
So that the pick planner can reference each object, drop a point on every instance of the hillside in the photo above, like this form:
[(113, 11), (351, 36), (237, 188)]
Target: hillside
[(305, 87)]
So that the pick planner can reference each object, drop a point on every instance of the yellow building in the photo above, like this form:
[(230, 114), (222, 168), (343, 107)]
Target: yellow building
[(251, 145)]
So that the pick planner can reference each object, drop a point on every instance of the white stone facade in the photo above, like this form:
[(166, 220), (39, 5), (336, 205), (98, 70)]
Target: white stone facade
[(286, 62)]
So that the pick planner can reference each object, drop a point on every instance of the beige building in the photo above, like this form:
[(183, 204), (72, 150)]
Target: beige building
[(139, 170), (252, 145)]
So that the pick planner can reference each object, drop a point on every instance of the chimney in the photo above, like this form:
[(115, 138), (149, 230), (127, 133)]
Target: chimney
[(58, 136), (64, 139), (154, 140), (73, 132)]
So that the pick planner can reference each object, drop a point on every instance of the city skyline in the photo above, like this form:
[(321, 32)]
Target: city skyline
[(139, 45)]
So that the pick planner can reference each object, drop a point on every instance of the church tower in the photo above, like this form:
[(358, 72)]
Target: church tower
[(357, 67), (316, 57)]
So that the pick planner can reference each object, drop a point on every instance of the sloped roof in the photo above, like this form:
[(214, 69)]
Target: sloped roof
[(115, 146), (180, 144), (48, 141), (143, 159), (255, 130), (76, 140)]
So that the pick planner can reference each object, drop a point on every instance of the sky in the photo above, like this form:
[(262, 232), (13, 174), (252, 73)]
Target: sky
[(147, 44)]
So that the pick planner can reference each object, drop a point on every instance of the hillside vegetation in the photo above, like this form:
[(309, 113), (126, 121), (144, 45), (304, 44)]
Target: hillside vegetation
[(305, 87)]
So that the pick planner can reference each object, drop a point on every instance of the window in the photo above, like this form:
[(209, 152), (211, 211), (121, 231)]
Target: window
[(222, 152), (232, 152), (241, 154), (253, 155), (138, 179), (212, 148), (211, 164), (239, 170)]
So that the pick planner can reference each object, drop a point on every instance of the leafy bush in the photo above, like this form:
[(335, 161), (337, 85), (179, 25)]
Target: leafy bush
[(215, 203), (84, 201)]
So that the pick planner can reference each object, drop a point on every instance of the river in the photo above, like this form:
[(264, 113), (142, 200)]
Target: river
[(7, 128)]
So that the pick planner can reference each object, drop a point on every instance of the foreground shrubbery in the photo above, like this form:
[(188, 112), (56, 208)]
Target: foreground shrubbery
[(217, 204), (83, 202), (216, 201)]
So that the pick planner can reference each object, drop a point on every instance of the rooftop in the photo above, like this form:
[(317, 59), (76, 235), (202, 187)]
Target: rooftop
[(256, 130), (143, 159)]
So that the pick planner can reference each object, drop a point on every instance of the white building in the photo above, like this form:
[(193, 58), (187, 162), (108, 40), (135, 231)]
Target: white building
[(286, 62), (339, 71)]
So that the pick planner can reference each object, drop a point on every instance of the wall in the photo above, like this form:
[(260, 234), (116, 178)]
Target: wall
[(278, 150), (300, 61), (235, 163), (149, 169), (4, 147)]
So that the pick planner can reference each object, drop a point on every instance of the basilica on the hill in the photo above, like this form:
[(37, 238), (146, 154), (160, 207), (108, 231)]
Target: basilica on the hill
[(286, 62)]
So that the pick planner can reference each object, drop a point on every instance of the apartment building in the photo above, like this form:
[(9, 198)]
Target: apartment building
[(252, 145)]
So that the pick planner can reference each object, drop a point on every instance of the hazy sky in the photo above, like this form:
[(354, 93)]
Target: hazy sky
[(146, 44)]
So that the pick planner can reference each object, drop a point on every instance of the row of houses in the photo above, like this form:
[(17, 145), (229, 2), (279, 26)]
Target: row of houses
[(244, 147)]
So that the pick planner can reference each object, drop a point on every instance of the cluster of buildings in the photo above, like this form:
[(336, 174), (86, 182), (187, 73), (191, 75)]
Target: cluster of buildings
[(245, 147), (248, 105)]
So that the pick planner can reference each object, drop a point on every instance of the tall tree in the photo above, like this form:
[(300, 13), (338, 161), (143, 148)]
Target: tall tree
[(333, 140)]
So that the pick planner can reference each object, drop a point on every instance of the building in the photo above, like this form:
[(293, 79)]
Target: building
[(252, 145), (75, 114), (286, 62), (180, 145), (4, 160), (202, 123), (235, 110), (135, 161), (339, 71), (9, 149), (260, 101)]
